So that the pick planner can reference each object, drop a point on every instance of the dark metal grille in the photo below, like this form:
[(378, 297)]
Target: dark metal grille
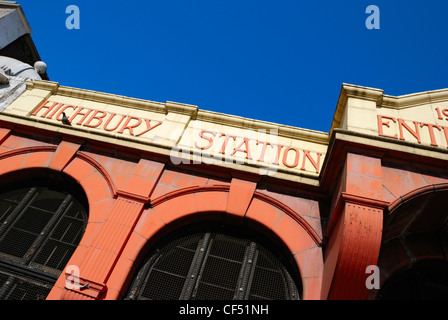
[(212, 265), (40, 228), (22, 283)]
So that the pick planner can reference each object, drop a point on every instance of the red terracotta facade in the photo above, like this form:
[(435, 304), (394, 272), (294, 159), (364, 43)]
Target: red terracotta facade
[(120, 224), (365, 198), (364, 202)]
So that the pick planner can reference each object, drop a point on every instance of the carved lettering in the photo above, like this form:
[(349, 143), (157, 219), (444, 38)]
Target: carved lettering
[(99, 119), (256, 150), (414, 131)]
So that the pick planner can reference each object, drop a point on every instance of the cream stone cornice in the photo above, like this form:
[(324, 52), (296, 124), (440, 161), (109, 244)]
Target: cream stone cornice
[(415, 99), (180, 108), (353, 91), (160, 149), (55, 89), (252, 124), (178, 130), (384, 101)]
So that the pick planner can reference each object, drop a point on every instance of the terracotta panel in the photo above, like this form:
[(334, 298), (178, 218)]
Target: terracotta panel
[(148, 168), (56, 292), (119, 278), (11, 164), (17, 142), (310, 262), (186, 180), (364, 186), (304, 207), (360, 240), (4, 133), (400, 182), (63, 155), (211, 201), (363, 176), (108, 241), (38, 159), (134, 246), (112, 237), (100, 210), (240, 196), (96, 187), (98, 265), (79, 169), (120, 180), (364, 165), (140, 186), (90, 234), (293, 235), (312, 288), (213, 182), (434, 180), (176, 208), (168, 177), (265, 214), (125, 212), (161, 190), (113, 164), (144, 178), (149, 224)]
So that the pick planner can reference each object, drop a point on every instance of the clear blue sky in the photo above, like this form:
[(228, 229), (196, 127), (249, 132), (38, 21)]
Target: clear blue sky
[(279, 61)]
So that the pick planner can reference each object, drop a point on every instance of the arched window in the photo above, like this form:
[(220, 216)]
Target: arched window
[(213, 264), (40, 228)]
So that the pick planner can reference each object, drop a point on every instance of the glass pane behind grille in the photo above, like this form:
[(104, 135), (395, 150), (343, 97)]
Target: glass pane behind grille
[(42, 237), (208, 292), (53, 257), (62, 241), (68, 230), (16, 287), (163, 286), (176, 262), (15, 195), (49, 200), (167, 272), (229, 247), (33, 220), (17, 242), (221, 273), (167, 276), (6, 208), (268, 270)]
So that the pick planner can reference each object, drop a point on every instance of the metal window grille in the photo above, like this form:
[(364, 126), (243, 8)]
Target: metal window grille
[(213, 266), (40, 227)]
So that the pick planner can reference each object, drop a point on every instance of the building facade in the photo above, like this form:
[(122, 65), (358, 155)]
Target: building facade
[(135, 199)]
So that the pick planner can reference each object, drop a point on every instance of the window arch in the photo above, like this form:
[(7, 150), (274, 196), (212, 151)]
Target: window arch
[(41, 225), (214, 263)]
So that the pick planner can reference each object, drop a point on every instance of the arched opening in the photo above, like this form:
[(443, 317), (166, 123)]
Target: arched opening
[(42, 222), (211, 261), (413, 251)]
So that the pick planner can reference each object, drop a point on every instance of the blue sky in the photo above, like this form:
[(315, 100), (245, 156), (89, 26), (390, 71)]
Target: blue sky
[(279, 61)]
